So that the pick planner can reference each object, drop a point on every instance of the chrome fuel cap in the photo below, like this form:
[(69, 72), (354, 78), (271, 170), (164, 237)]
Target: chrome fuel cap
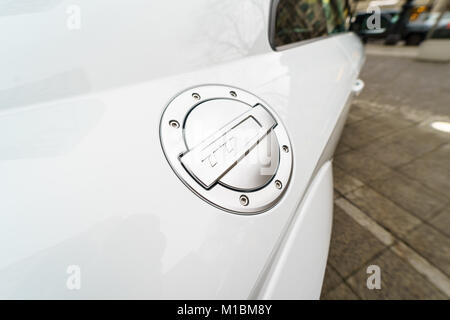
[(253, 171), (228, 147)]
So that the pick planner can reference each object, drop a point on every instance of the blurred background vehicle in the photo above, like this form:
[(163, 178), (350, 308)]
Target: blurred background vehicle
[(416, 31), (409, 21)]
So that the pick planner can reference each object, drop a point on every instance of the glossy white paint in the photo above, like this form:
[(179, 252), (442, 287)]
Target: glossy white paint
[(83, 179), (300, 264)]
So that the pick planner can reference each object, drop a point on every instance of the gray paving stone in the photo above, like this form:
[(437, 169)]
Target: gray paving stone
[(398, 280), (342, 292), (355, 136), (405, 145), (401, 81), (433, 170), (426, 125), (432, 245), (407, 113), (383, 211), (389, 154), (351, 244), (359, 111), (415, 141), (422, 266), (379, 125), (410, 195), (336, 194), (331, 280), (343, 182), (341, 148), (442, 221), (362, 166)]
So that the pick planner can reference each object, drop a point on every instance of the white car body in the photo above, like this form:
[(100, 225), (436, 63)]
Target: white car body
[(85, 186)]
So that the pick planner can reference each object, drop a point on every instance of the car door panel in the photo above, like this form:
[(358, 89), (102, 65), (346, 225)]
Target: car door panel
[(84, 180)]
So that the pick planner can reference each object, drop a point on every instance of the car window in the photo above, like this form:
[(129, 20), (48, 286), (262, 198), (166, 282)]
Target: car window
[(336, 13), (297, 20)]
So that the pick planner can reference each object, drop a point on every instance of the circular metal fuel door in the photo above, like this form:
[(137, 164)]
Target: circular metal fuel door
[(228, 147)]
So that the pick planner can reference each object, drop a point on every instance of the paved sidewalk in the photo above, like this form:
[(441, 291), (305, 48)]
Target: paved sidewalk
[(392, 185), (399, 50)]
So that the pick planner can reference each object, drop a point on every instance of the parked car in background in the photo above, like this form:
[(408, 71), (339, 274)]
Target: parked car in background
[(416, 31), (161, 150), (413, 33)]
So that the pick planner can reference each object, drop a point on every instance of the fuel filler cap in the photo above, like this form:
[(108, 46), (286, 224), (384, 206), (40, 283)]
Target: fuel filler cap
[(228, 147)]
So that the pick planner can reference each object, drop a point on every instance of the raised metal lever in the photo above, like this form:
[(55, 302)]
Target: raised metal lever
[(216, 155)]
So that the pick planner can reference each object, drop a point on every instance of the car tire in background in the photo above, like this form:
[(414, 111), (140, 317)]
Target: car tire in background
[(391, 39), (414, 39)]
